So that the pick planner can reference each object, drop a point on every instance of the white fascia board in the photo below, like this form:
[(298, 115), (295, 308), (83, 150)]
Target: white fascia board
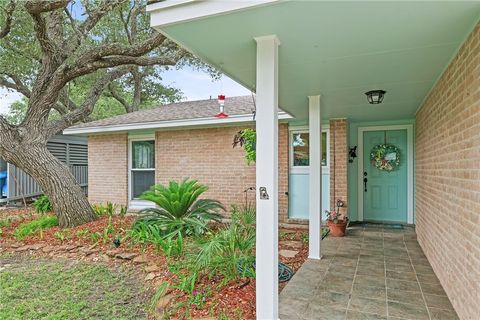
[(177, 11), (244, 118)]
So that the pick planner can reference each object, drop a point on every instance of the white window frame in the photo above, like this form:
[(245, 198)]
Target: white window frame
[(306, 169), (137, 204)]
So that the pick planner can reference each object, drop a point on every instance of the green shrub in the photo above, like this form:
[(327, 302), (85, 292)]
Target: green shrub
[(42, 205), (28, 228), (229, 251), (150, 233), (109, 209), (178, 209)]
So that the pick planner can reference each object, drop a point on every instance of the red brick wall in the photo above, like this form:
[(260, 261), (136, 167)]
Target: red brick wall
[(448, 178), (338, 162), (207, 155), (107, 168)]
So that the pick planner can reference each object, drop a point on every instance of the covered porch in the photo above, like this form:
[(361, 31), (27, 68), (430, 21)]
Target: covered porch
[(377, 272), (316, 59)]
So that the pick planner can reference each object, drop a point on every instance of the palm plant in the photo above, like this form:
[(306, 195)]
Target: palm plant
[(230, 250), (179, 211)]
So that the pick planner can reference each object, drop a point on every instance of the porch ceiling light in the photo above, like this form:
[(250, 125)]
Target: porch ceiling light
[(375, 96)]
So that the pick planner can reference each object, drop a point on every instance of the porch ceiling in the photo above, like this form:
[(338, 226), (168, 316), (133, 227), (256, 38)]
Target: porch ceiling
[(339, 49)]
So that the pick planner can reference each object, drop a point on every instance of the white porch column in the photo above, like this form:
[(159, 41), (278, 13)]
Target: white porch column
[(267, 178), (315, 205)]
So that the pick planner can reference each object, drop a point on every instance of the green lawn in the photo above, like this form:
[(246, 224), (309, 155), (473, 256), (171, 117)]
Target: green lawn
[(64, 289)]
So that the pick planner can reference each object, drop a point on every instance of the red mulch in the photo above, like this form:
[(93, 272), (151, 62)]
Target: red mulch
[(235, 300)]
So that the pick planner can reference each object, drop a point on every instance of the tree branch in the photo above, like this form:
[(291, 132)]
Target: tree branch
[(35, 8), (119, 98), (16, 85), (86, 108), (5, 30)]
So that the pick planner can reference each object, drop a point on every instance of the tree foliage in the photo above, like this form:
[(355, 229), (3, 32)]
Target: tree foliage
[(66, 57)]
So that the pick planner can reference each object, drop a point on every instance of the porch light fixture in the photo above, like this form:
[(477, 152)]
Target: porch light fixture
[(375, 96), (221, 103)]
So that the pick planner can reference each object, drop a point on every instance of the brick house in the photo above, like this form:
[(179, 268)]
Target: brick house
[(315, 60), (177, 137)]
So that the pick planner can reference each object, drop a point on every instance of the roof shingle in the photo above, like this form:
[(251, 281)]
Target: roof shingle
[(178, 111)]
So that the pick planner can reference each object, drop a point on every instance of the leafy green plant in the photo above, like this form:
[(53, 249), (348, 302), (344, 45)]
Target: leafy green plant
[(107, 209), (42, 205), (161, 291), (94, 236), (247, 138), (171, 245), (122, 212), (60, 236), (186, 282), (82, 233), (28, 228), (109, 229), (179, 211), (229, 251)]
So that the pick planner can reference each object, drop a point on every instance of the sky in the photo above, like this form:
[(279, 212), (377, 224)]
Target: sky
[(195, 85)]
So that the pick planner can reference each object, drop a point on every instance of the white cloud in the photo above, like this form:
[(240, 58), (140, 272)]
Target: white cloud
[(7, 98), (197, 85)]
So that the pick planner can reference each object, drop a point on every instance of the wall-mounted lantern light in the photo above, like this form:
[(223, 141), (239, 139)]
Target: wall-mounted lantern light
[(375, 96), (352, 154)]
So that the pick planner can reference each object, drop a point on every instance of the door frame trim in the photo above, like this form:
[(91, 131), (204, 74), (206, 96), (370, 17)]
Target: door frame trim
[(410, 157)]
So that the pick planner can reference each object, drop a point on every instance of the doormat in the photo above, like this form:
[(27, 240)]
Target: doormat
[(396, 226)]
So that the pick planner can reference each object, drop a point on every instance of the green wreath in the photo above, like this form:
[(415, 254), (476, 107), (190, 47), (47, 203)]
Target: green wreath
[(385, 157)]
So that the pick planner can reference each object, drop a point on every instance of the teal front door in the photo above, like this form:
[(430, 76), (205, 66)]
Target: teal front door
[(385, 192)]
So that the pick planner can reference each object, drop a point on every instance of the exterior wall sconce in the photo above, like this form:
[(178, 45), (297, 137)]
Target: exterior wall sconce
[(352, 154), (375, 96)]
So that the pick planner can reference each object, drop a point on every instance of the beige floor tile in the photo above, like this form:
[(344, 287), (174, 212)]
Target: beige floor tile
[(403, 285), (368, 305), (439, 314), (405, 297), (408, 311), (355, 315), (440, 302)]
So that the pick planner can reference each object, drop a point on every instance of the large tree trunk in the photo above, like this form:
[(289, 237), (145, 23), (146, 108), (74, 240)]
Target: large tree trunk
[(57, 182)]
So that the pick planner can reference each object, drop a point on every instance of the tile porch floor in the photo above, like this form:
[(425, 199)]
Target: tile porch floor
[(372, 273)]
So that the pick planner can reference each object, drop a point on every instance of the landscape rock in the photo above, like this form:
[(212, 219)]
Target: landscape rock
[(102, 258), (68, 247), (126, 256), (150, 276), (37, 246), (48, 249), (139, 260), (112, 253), (162, 303), (287, 253), (292, 244), (152, 268)]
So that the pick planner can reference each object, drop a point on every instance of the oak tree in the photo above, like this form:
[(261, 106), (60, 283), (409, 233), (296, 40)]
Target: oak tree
[(49, 49)]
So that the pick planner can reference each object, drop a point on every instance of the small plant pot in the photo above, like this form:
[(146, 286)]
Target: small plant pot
[(337, 229)]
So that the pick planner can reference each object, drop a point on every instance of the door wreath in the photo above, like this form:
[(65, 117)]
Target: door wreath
[(385, 157)]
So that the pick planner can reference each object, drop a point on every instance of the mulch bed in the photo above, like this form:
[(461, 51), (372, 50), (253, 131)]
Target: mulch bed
[(235, 300)]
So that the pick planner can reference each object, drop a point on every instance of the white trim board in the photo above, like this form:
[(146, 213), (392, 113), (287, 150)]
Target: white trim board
[(182, 123), (172, 12), (410, 156), (138, 204)]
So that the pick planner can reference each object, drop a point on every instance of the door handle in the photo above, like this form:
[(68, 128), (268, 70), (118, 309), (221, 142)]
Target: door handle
[(365, 180)]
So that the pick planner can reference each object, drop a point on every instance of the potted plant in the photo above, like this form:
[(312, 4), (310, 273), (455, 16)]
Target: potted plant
[(337, 223)]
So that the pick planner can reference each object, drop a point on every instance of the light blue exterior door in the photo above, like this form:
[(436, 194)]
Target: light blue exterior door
[(385, 192), (298, 184)]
